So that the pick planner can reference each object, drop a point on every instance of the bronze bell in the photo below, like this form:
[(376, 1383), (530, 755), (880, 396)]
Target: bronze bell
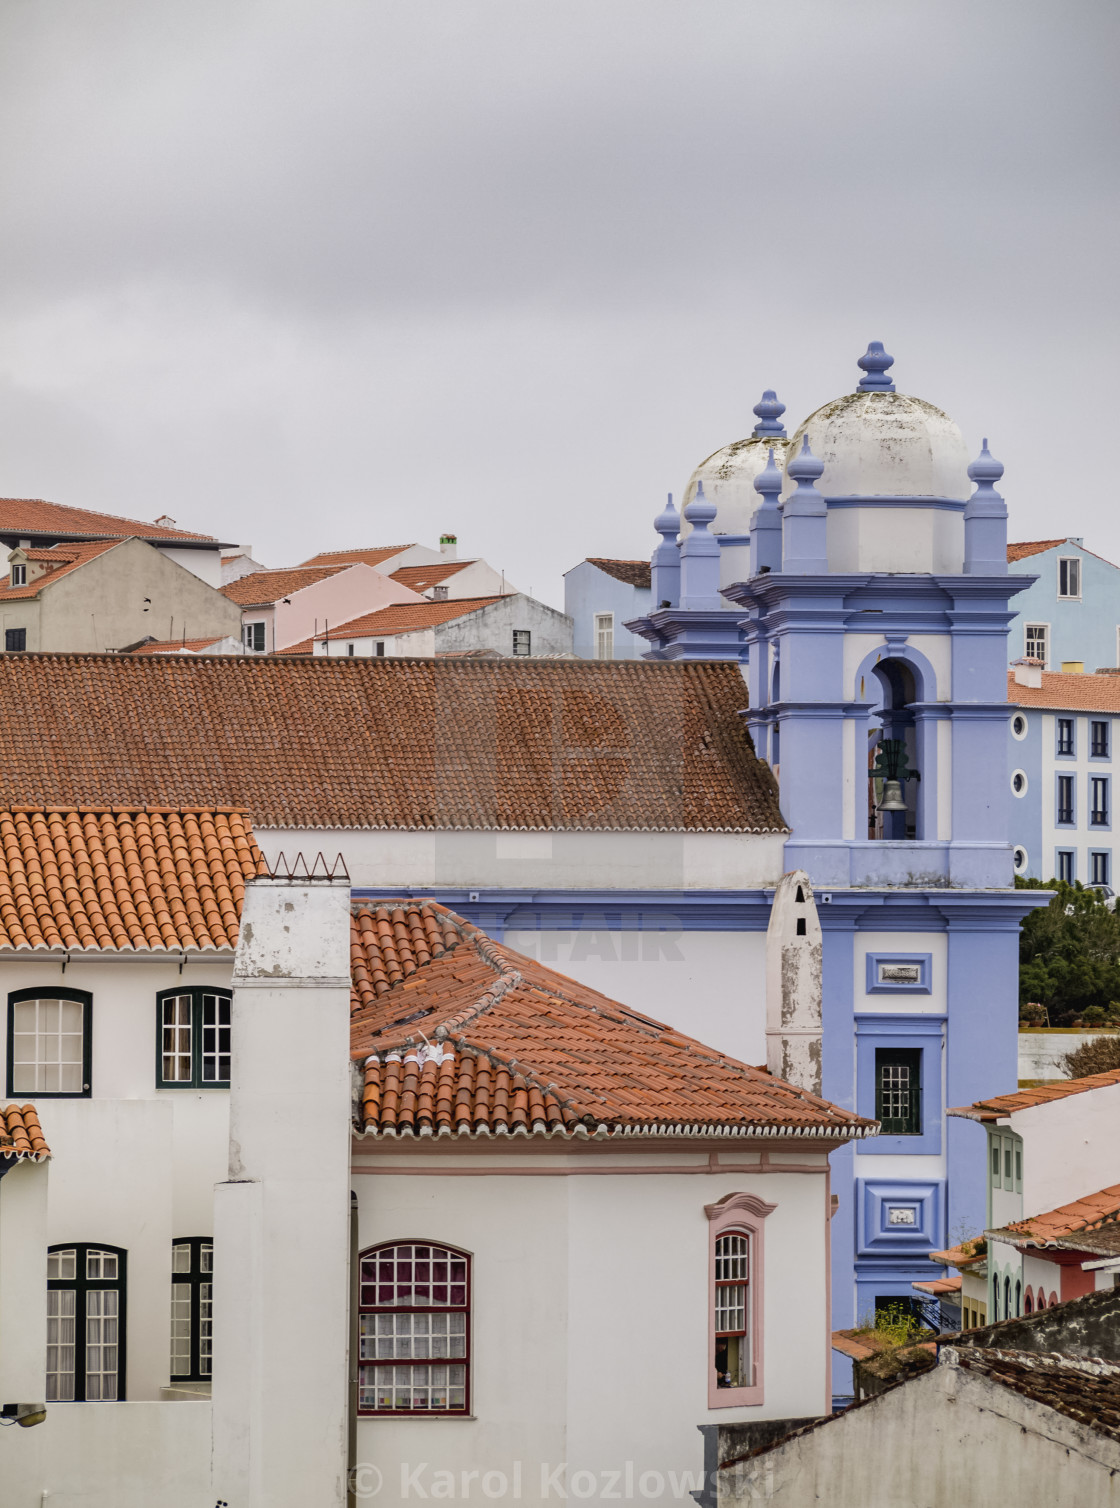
[(893, 799)]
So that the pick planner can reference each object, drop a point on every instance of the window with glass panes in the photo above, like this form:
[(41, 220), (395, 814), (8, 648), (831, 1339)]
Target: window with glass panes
[(604, 636), (48, 1042), (85, 1324), (193, 1041), (1098, 739), (192, 1309), (414, 1355), (732, 1310), (898, 1090)]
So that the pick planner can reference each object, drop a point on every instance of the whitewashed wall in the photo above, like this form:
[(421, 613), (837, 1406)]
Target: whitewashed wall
[(590, 1311)]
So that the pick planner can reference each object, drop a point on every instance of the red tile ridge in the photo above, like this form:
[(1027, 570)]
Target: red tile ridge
[(1003, 1105)]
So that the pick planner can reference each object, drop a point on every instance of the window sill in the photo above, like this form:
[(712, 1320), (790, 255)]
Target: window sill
[(735, 1398), (418, 1414)]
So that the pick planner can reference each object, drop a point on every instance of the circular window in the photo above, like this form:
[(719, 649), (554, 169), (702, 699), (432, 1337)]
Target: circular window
[(1020, 857), (1019, 783), (1019, 726)]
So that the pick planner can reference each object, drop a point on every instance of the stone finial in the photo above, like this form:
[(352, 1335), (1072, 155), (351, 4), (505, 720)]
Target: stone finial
[(769, 410), (805, 517), (766, 521), (874, 363), (665, 565), (700, 556), (985, 519), (985, 471)]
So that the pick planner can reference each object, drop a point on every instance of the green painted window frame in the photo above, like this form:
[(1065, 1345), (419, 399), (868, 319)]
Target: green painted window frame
[(194, 1279), (81, 1284), (196, 993), (40, 992), (896, 1057)]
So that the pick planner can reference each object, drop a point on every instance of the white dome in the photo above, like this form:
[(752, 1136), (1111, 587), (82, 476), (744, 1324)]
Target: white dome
[(884, 444), (728, 478)]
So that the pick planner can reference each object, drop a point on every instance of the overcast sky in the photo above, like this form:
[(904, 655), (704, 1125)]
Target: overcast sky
[(310, 274)]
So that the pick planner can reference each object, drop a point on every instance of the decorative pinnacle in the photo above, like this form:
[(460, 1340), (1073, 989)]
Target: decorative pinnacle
[(985, 471), (700, 510), (668, 521), (769, 481), (805, 468), (874, 363), (769, 412)]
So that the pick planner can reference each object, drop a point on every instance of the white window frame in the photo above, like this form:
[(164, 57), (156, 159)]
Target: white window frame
[(1045, 627), (604, 636), (249, 633), (523, 637), (1073, 561), (18, 576), (49, 1058)]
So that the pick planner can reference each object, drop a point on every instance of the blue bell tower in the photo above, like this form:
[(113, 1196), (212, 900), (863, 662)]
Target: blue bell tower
[(873, 619)]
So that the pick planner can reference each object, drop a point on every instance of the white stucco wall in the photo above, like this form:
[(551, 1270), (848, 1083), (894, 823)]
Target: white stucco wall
[(205, 564), (1041, 1052), (23, 1282), (590, 1307), (335, 599), (1070, 1147), (579, 861)]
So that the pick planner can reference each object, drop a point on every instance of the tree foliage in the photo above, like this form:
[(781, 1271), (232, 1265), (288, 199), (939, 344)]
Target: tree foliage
[(1069, 954)]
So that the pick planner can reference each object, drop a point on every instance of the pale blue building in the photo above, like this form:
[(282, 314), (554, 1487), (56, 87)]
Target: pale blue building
[(600, 597), (1068, 617)]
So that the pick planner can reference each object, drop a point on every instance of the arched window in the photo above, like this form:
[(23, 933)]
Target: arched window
[(192, 1308), (1041, 1298), (1018, 1296), (415, 1329), (732, 1315), (85, 1323), (892, 783), (735, 1279), (1007, 1298), (1028, 1303), (1053, 1300)]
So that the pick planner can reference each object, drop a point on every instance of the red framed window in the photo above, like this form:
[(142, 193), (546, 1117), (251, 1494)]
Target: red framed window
[(415, 1329)]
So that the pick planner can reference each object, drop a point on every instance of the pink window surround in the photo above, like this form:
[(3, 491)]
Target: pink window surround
[(744, 1213)]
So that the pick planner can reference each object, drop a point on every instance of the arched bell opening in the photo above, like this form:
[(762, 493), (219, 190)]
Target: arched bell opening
[(892, 755)]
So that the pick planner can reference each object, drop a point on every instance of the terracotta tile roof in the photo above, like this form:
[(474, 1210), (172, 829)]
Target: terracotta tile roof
[(1084, 692), (370, 557), (260, 588), (938, 1287), (1003, 1105), (398, 618), (1031, 547), (618, 745), (633, 572), (61, 559), (25, 515), (1081, 1388), (1079, 1217), (421, 577), (461, 1035), (21, 1136), (175, 646), (967, 1255), (122, 879)]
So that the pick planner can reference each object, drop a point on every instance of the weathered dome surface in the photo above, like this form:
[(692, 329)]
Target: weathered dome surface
[(728, 478), (882, 444)]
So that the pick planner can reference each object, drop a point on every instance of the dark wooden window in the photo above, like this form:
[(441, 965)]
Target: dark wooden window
[(85, 1323), (1065, 865), (1098, 809), (49, 1043), (192, 1309), (1065, 799), (193, 1039), (15, 639), (253, 635), (1098, 740), (1098, 868), (1065, 735), (898, 1090), (415, 1330)]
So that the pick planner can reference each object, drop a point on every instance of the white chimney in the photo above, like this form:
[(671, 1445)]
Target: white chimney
[(1028, 673), (793, 984), (449, 546)]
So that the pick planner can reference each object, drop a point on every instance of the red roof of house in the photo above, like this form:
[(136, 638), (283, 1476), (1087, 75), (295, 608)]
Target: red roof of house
[(60, 560), (397, 618), (27, 515), (1003, 1105), (372, 557), (421, 577), (260, 588), (1076, 1218), (414, 744), (1069, 691), (1031, 547), (120, 879), (939, 1287), (21, 1135), (460, 1034), (973, 1253), (176, 646), (633, 572)]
